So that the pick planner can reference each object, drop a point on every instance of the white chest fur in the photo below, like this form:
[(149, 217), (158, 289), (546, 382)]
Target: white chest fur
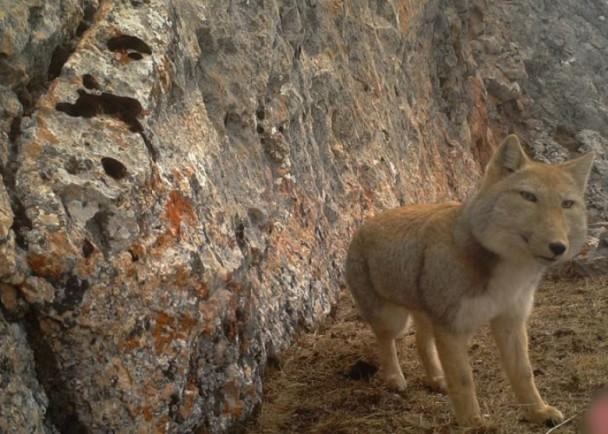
[(509, 291)]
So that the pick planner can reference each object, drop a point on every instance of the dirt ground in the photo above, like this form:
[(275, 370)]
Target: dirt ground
[(309, 392)]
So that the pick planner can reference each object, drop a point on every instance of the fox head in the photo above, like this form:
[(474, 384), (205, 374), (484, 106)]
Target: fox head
[(530, 211)]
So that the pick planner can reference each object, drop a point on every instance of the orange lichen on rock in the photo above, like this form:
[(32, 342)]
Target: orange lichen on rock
[(182, 276), (131, 344), (147, 412), (168, 328), (54, 263), (203, 290), (178, 209), (163, 332), (45, 266)]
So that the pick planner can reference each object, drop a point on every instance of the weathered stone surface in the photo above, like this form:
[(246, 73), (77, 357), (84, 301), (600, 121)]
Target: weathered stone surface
[(191, 183), (593, 259), (22, 400), (555, 53), (35, 38), (185, 188), (36, 33), (602, 245), (8, 267)]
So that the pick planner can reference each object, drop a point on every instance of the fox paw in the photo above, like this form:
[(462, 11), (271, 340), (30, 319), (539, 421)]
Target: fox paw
[(476, 424), (396, 382), (472, 421), (546, 415), (437, 384)]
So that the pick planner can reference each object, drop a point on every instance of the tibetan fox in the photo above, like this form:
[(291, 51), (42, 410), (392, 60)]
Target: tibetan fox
[(453, 267)]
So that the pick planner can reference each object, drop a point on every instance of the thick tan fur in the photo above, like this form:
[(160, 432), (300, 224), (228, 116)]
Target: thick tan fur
[(455, 267)]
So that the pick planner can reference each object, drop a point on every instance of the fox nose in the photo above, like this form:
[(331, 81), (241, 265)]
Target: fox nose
[(557, 248)]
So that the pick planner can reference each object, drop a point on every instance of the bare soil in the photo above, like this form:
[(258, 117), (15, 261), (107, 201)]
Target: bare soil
[(310, 391)]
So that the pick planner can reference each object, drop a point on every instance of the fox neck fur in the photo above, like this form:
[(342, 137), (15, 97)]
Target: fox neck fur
[(502, 285)]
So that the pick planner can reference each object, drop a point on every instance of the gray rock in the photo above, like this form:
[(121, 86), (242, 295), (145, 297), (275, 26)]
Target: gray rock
[(602, 245), (23, 402), (8, 265), (557, 55), (547, 150), (502, 89)]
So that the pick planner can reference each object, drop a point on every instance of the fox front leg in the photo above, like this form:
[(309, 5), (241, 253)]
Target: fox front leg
[(453, 349), (512, 340)]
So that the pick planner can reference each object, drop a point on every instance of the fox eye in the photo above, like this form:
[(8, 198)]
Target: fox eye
[(567, 204), (530, 197)]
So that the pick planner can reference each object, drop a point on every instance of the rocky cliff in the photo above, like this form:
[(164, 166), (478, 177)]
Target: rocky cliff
[(181, 177)]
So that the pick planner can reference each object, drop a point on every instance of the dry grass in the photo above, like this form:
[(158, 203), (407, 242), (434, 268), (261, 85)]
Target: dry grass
[(309, 393)]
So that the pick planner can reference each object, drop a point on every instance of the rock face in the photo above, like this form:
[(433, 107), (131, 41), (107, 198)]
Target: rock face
[(182, 190), (545, 71), (24, 402)]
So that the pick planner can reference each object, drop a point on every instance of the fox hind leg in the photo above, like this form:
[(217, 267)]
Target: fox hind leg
[(389, 323), (387, 319), (427, 350)]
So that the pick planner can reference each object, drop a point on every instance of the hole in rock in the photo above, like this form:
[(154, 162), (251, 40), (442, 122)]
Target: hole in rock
[(21, 224), (134, 255), (82, 27), (260, 113), (88, 105), (126, 42), (239, 233), (113, 167), (87, 248), (15, 130), (135, 56), (59, 57), (90, 82)]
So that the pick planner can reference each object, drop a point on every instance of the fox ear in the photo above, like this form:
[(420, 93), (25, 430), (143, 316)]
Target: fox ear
[(580, 168), (509, 156)]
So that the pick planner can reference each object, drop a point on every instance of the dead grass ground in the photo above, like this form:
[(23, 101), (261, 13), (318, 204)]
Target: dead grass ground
[(309, 393)]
